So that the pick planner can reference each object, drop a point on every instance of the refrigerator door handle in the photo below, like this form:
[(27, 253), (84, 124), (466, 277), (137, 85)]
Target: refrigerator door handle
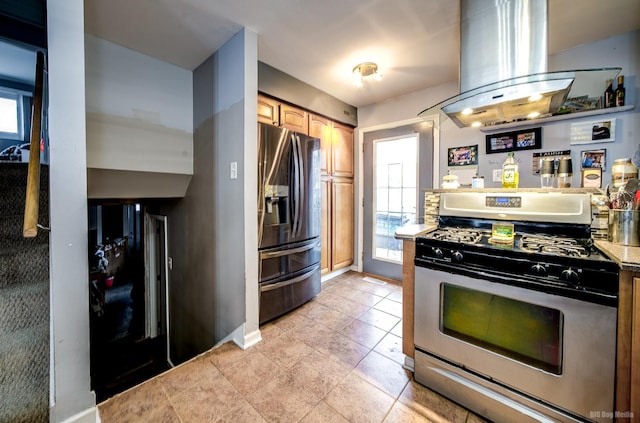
[(301, 181), (296, 186), (270, 287), (281, 253)]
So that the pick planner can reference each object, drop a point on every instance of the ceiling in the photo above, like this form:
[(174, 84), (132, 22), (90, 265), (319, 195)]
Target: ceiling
[(415, 42)]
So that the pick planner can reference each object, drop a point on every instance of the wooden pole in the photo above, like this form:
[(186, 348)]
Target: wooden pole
[(30, 227)]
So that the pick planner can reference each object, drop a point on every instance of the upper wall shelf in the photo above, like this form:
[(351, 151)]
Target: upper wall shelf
[(556, 118)]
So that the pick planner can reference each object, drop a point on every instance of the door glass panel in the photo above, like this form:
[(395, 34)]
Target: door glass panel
[(529, 333), (394, 193)]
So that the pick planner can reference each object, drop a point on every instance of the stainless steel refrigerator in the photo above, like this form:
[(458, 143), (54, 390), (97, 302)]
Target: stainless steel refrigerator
[(288, 219)]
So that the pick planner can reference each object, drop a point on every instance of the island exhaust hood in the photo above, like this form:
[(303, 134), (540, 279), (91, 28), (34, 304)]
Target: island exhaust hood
[(503, 68)]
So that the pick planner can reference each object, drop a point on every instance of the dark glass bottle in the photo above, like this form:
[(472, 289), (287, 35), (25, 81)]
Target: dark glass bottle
[(620, 92), (609, 95)]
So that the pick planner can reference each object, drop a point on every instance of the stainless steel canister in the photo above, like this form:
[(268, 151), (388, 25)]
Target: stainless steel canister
[(624, 227)]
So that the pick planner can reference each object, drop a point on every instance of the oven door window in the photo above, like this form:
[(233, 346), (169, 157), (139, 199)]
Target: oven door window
[(529, 333)]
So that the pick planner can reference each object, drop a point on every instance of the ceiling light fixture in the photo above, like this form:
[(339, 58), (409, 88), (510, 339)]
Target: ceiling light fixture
[(366, 70)]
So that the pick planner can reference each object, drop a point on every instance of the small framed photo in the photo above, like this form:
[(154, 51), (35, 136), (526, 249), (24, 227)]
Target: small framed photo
[(593, 132), (593, 159), (526, 139), (463, 156)]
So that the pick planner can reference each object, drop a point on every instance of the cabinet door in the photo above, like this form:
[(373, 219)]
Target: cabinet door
[(320, 127), (294, 119), (325, 226), (342, 142), (342, 221), (268, 110)]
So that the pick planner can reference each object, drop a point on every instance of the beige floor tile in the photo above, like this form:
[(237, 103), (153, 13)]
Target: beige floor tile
[(285, 350), (343, 305), (397, 329), (332, 319), (384, 373), (291, 320), (322, 413), (359, 401), (402, 414), (188, 374), (206, 401), (388, 306), (283, 399), (433, 406), (319, 373), (344, 349), (363, 333), (379, 319), (136, 404), (251, 371), (270, 331), (356, 295), (396, 295), (391, 347), (225, 354), (243, 413), (314, 334)]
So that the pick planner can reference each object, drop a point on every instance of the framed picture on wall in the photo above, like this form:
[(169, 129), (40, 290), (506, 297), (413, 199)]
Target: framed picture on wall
[(526, 139), (463, 156), (593, 159), (593, 132)]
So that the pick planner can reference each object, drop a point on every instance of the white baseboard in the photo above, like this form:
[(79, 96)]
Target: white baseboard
[(88, 416), (243, 340), (332, 275)]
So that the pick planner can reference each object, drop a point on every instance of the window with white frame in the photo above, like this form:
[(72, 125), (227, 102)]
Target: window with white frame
[(10, 115), (395, 193)]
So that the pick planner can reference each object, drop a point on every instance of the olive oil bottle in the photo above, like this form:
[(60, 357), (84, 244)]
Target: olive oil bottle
[(510, 174), (620, 91)]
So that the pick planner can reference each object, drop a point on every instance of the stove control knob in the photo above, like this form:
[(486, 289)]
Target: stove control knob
[(437, 252), (538, 269), (457, 256), (570, 275)]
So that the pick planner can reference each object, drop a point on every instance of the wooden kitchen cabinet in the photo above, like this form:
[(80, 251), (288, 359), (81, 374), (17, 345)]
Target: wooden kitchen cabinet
[(336, 235), (268, 110), (342, 150), (628, 348), (294, 118), (342, 223), (321, 127), (325, 225), (274, 112), (336, 158)]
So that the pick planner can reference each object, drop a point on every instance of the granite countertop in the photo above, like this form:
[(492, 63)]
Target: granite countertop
[(628, 258), (410, 232)]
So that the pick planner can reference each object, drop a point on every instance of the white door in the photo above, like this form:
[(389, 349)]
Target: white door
[(156, 278)]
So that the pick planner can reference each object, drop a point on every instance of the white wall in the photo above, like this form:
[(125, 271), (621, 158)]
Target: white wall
[(139, 111), (621, 51), (70, 378)]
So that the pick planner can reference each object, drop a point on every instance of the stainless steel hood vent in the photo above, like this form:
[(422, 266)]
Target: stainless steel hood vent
[(503, 68)]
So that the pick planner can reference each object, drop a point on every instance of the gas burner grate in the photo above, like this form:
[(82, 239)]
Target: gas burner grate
[(463, 235), (553, 245)]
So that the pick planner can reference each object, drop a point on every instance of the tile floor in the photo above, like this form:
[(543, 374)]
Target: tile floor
[(338, 358)]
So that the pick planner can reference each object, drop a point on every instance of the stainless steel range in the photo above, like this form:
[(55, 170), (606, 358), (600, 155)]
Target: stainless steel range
[(515, 310)]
